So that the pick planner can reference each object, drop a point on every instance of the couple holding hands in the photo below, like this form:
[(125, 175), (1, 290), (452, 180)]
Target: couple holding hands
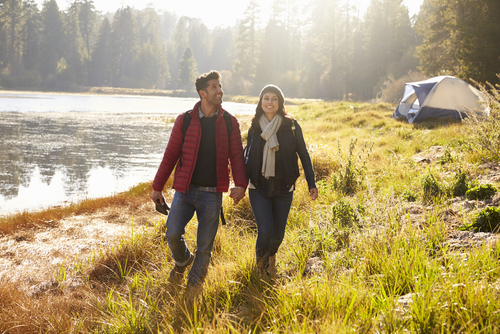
[(202, 150)]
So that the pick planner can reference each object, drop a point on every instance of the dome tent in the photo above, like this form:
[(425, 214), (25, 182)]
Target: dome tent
[(443, 96)]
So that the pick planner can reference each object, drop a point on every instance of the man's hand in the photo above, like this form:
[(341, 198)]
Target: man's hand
[(157, 197), (237, 194), (314, 193)]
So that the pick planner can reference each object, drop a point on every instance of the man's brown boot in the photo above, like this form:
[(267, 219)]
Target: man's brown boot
[(177, 272)]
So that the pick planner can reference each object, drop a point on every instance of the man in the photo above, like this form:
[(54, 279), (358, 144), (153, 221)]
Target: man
[(201, 176)]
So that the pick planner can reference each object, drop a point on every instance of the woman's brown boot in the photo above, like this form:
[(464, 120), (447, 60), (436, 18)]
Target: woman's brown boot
[(271, 270)]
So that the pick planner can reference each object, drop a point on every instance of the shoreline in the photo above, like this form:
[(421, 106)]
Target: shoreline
[(107, 91), (117, 91)]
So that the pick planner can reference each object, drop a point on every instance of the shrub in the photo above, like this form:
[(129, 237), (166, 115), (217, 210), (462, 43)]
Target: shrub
[(324, 240), (487, 220), (446, 157), (322, 161), (349, 177), (483, 129), (393, 89), (431, 187), (345, 214), (460, 185), (409, 195), (483, 191)]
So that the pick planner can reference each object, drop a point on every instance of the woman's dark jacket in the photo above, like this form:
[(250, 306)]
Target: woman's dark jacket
[(291, 143)]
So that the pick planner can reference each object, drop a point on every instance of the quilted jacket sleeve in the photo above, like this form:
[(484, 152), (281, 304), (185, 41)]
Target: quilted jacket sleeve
[(171, 155), (236, 156)]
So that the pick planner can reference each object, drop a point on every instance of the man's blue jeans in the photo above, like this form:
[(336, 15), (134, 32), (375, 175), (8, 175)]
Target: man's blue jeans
[(207, 206), (271, 215)]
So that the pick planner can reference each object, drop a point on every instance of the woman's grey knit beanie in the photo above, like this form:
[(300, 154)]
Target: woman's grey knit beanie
[(273, 89)]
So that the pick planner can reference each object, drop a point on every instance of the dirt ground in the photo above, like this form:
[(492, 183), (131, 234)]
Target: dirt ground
[(31, 258)]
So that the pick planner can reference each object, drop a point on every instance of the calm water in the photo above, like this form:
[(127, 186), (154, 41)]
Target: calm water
[(57, 148)]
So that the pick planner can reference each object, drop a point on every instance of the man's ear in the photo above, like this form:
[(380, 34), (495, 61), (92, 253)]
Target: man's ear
[(203, 94)]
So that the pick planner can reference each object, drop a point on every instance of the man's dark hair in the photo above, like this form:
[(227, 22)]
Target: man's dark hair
[(202, 81)]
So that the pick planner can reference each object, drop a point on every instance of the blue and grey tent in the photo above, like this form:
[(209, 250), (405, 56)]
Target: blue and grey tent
[(443, 96)]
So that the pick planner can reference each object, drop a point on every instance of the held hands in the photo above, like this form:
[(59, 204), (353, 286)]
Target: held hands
[(314, 193), (237, 194)]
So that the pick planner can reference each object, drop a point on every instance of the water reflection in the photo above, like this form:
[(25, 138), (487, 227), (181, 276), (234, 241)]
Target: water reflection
[(47, 158), (67, 156)]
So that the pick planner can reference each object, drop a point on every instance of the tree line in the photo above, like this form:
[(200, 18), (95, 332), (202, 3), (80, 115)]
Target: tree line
[(327, 50)]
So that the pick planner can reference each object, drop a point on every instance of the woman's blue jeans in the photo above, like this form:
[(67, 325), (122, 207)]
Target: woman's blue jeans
[(207, 206), (271, 215)]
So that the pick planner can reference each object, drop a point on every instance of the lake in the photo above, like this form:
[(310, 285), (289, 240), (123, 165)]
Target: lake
[(61, 148)]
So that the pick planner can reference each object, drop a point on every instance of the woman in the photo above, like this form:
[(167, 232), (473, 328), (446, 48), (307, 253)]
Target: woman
[(273, 142)]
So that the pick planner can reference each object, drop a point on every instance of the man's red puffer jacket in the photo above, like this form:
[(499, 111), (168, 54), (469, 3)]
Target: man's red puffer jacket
[(226, 151)]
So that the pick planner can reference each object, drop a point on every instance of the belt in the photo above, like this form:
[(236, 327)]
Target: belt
[(208, 189)]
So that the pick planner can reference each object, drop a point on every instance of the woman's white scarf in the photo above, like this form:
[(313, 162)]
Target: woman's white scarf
[(269, 130)]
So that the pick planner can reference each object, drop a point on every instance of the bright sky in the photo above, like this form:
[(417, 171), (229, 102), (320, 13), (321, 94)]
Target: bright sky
[(212, 13)]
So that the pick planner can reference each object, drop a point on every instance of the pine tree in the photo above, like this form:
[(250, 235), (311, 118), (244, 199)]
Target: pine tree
[(151, 67), (100, 62), (460, 38), (324, 35), (167, 26), (221, 57), (246, 42), (274, 57), (30, 33), (75, 52), (479, 54), (199, 41), (437, 24), (388, 37), (187, 70), (10, 20), (51, 47), (3, 37), (87, 18), (178, 47), (124, 47)]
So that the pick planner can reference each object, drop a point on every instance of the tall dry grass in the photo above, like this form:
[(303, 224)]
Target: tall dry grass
[(484, 128)]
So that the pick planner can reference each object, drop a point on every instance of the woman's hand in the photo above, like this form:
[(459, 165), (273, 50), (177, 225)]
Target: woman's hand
[(237, 194), (314, 193)]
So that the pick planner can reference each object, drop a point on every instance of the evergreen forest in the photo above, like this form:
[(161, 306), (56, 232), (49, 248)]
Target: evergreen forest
[(327, 50)]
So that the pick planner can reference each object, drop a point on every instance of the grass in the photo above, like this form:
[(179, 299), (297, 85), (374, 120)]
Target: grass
[(353, 261), (38, 219), (25, 220)]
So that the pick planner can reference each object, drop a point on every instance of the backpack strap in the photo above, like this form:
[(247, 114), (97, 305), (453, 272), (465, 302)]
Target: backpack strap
[(229, 124), (185, 125), (246, 150), (187, 121), (222, 218)]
